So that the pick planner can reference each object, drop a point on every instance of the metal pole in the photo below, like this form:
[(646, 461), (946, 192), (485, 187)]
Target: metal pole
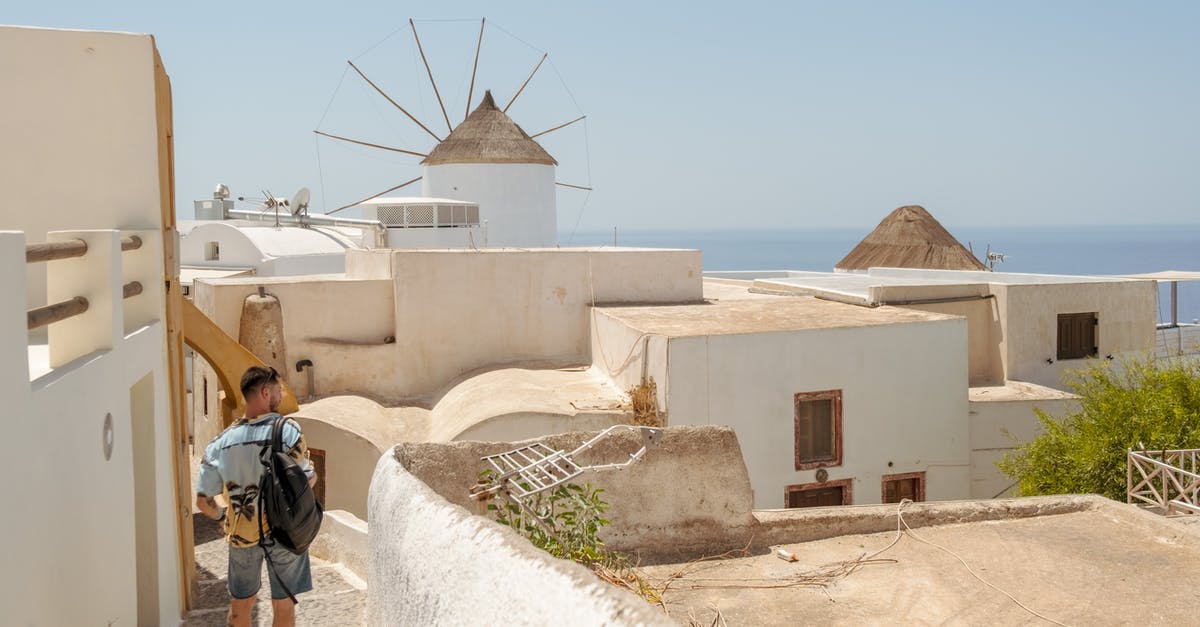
[(430, 72), (614, 237), (394, 103), (478, 45)]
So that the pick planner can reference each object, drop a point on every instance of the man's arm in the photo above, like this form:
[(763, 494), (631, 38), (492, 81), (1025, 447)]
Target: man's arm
[(208, 506)]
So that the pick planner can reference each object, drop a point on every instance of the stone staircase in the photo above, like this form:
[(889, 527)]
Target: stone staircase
[(338, 596)]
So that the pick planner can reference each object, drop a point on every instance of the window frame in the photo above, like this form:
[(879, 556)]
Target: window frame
[(847, 486), (919, 476), (1068, 319), (822, 395)]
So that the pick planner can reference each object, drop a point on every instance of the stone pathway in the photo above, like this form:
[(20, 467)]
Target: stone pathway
[(338, 596)]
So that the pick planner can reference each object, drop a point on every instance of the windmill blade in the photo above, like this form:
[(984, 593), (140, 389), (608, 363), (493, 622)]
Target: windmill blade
[(535, 69), (430, 72), (478, 45), (390, 189), (551, 130), (394, 103), (369, 144), (584, 187)]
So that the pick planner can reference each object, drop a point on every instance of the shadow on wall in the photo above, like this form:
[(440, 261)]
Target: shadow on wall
[(344, 460)]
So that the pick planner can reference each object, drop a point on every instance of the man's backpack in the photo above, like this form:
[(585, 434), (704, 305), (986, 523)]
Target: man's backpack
[(285, 498)]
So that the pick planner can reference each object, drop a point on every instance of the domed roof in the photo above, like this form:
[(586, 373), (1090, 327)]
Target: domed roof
[(488, 135), (910, 238)]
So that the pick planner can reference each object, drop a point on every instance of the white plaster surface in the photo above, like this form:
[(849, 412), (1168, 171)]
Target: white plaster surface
[(84, 126), (451, 312), (432, 562), (517, 200), (740, 363)]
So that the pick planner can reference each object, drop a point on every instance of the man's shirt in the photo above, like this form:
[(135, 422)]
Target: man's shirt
[(232, 466)]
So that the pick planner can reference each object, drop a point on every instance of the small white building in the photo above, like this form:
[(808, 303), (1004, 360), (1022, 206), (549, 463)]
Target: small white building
[(263, 249), (833, 404), (419, 222)]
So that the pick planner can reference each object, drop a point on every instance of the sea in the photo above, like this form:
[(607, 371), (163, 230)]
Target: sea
[(1075, 250)]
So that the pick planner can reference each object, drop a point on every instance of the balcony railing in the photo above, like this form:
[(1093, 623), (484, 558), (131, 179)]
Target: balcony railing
[(51, 251), (1167, 479)]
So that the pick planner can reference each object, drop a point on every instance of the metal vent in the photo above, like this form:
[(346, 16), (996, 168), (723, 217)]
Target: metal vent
[(420, 215)]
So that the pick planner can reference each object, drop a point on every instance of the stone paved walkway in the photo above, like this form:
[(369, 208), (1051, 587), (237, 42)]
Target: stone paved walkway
[(338, 596)]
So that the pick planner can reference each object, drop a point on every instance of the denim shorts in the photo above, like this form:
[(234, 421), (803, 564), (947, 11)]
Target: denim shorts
[(245, 571)]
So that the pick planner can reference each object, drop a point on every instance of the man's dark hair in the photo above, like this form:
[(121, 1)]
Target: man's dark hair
[(255, 377)]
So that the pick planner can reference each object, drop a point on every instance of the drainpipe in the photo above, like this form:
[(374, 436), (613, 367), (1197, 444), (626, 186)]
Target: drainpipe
[(301, 366)]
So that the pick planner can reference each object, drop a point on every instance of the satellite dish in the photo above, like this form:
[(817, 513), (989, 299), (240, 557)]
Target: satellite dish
[(300, 202)]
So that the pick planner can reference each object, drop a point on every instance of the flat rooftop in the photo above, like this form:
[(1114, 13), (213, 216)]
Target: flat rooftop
[(1108, 565), (856, 287), (738, 316), (1015, 391)]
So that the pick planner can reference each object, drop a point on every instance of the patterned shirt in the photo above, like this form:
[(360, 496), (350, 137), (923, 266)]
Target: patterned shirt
[(232, 466)]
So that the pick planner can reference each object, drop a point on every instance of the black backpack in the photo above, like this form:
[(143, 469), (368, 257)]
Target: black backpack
[(285, 498)]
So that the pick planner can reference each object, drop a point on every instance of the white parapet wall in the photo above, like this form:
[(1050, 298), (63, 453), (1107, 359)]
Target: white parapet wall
[(435, 563), (89, 456), (421, 319)]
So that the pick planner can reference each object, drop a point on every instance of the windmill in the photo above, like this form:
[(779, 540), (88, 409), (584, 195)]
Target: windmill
[(484, 158)]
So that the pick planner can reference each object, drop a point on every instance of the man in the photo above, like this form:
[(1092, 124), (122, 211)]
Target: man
[(232, 467)]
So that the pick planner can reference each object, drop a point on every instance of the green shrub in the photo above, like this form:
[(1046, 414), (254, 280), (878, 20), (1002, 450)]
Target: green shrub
[(1121, 406)]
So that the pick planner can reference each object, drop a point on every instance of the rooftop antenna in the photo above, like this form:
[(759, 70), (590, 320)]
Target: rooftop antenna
[(993, 258), (300, 202)]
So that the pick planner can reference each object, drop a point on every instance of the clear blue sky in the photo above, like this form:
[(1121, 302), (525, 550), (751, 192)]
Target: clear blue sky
[(704, 115)]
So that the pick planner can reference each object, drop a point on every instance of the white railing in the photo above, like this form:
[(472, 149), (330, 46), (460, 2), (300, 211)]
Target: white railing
[(1167, 479)]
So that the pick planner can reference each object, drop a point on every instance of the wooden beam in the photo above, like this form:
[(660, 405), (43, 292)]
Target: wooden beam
[(175, 384), (573, 186), (39, 317), (428, 71), (478, 45), (535, 69), (390, 189), (49, 251), (394, 103), (551, 130), (369, 144)]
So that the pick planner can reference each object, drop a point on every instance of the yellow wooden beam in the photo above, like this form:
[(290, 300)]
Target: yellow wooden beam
[(229, 359)]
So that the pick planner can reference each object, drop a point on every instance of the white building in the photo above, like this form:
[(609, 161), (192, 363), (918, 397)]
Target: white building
[(489, 160), (97, 528), (833, 404)]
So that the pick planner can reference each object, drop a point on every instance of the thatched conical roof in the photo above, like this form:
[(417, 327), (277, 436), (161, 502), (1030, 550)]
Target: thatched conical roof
[(488, 135), (910, 238)]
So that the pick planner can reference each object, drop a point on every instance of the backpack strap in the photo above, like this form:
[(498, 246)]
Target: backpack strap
[(276, 446)]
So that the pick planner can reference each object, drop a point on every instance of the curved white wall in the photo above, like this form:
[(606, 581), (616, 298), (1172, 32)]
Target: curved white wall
[(516, 199)]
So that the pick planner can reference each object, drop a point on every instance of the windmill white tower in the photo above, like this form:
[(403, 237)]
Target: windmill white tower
[(486, 159), (489, 160)]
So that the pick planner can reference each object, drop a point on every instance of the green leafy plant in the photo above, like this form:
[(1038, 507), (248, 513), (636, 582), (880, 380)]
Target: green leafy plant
[(566, 523), (1121, 406)]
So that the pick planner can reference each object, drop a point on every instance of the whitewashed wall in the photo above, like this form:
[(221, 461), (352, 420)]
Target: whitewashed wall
[(80, 158), (1030, 325), (516, 199), (999, 420), (102, 528), (904, 395), (434, 563), (450, 312)]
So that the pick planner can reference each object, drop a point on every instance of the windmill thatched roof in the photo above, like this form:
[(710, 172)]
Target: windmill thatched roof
[(488, 135), (910, 238)]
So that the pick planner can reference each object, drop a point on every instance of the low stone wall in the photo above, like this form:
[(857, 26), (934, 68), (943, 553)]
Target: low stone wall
[(343, 540), (434, 563), (690, 494)]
